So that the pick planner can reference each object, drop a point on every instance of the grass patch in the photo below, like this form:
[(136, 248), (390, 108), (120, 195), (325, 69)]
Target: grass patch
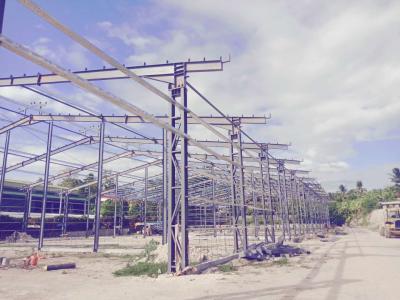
[(150, 269), (147, 267), (227, 268), (149, 248), (283, 261)]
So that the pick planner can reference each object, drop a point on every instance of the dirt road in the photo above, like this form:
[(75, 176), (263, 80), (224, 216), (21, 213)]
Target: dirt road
[(360, 265)]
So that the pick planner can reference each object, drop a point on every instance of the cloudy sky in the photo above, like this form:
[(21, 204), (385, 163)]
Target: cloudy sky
[(327, 71)]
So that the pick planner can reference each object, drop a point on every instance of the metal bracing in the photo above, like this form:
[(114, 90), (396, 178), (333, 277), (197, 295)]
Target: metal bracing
[(239, 220), (53, 152), (178, 256), (210, 191)]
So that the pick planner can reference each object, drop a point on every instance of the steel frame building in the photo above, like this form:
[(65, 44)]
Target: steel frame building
[(229, 191)]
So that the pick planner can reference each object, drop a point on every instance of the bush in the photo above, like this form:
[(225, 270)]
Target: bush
[(227, 268), (281, 262), (352, 205)]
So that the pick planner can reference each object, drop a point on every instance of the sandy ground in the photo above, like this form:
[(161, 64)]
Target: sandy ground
[(360, 265)]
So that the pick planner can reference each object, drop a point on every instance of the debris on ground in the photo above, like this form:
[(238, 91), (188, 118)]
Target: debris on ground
[(297, 239), (340, 231), (262, 251), (32, 260), (4, 262), (329, 239), (189, 270), (59, 267), (18, 237)]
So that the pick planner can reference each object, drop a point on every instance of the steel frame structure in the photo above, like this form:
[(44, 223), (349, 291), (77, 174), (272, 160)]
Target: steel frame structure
[(232, 184)]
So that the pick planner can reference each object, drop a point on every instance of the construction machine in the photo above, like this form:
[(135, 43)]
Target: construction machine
[(391, 226)]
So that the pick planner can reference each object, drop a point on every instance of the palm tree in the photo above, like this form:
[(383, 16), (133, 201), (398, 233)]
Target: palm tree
[(396, 178), (359, 185), (342, 189)]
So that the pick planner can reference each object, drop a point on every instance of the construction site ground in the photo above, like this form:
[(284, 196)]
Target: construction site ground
[(358, 265)]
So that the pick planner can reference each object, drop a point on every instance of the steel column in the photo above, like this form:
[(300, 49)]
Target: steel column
[(4, 166), (281, 205), (87, 212), (146, 178), (254, 198), (178, 254), (115, 206), (242, 191), (65, 215), (234, 210), (2, 8), (45, 185), (214, 207), (285, 197), (165, 187), (26, 210), (270, 199), (99, 189)]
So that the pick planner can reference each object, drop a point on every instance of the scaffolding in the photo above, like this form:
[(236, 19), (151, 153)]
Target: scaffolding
[(206, 198)]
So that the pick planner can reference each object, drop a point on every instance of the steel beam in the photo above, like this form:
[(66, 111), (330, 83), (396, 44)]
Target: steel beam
[(53, 152), (161, 72), (127, 119)]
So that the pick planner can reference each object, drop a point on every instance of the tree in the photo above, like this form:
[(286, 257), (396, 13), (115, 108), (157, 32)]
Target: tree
[(71, 182), (342, 189), (396, 178), (93, 188), (359, 185)]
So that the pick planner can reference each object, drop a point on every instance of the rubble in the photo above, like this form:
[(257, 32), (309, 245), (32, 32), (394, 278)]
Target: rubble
[(263, 251)]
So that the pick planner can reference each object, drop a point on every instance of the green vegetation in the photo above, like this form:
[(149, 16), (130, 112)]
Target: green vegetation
[(150, 269), (283, 261), (147, 267), (355, 204), (227, 268)]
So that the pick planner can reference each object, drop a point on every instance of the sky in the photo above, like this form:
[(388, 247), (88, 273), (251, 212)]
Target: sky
[(328, 72)]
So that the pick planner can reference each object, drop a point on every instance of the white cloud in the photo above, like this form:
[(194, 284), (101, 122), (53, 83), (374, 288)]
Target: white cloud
[(72, 55), (328, 72)]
